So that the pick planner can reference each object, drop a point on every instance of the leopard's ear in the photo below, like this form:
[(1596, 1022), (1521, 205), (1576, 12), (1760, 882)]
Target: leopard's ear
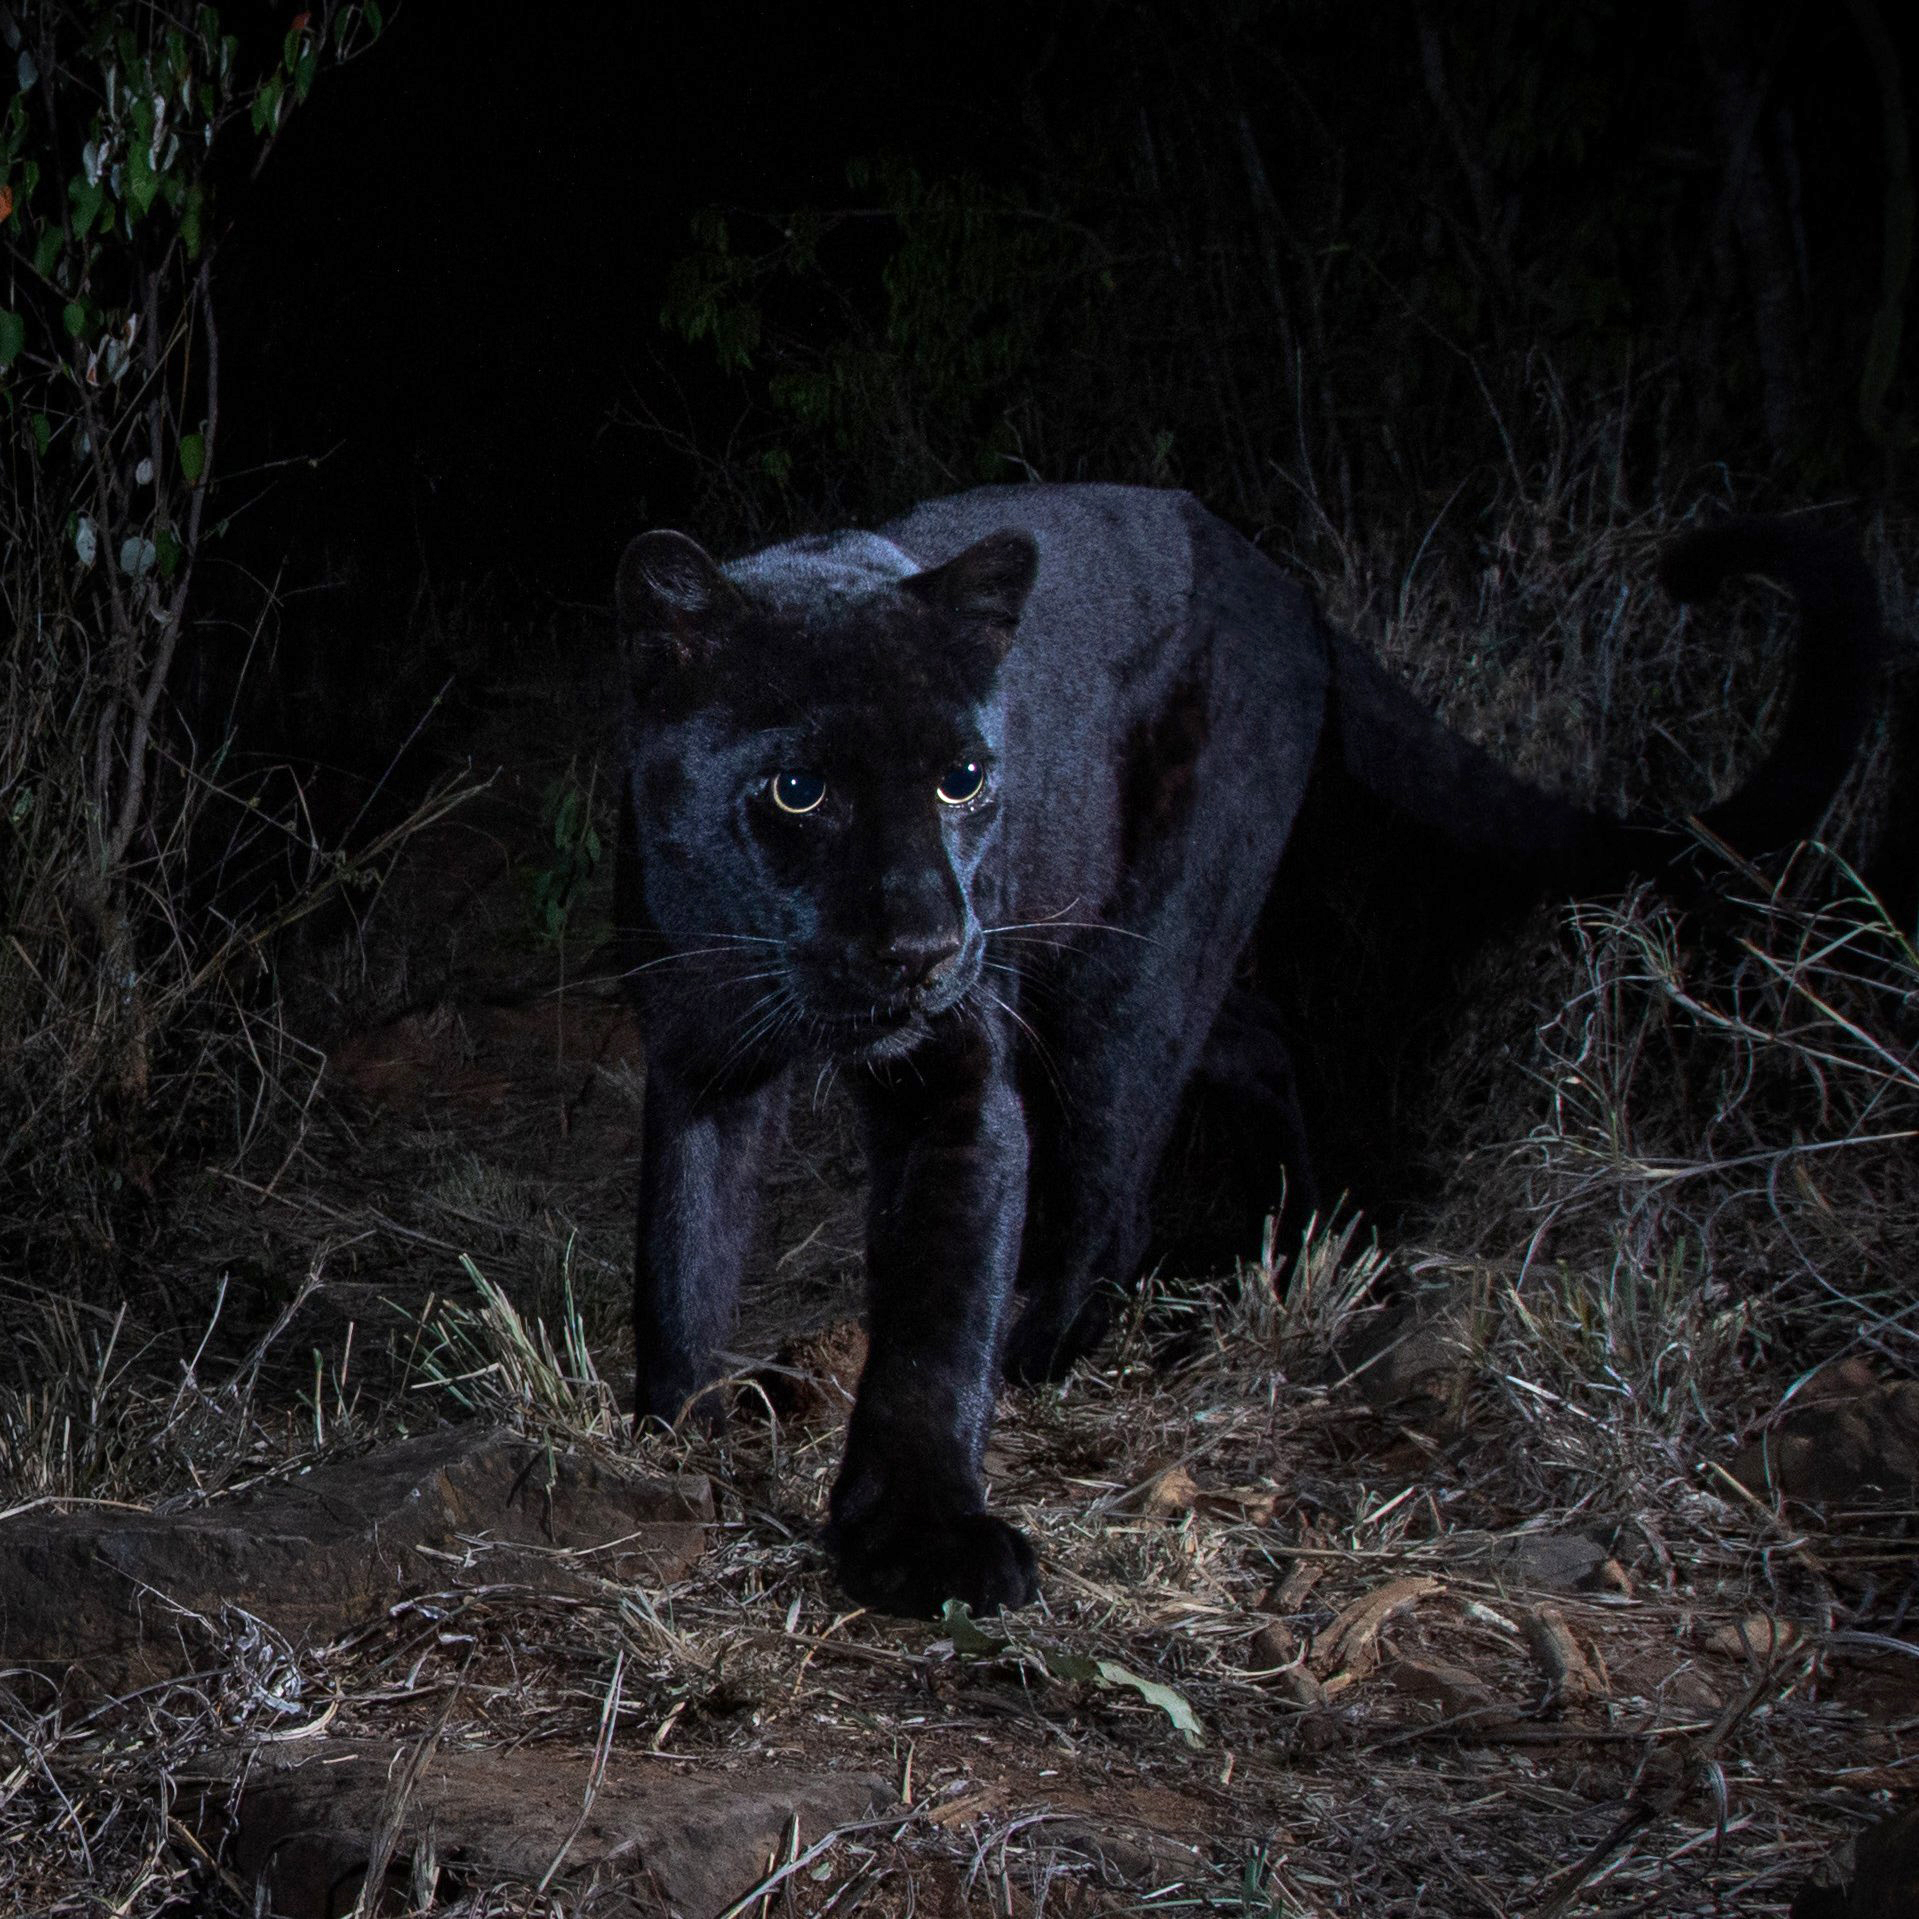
[(988, 583), (669, 593)]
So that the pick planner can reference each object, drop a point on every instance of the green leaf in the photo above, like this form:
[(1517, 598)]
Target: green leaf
[(171, 553), (1172, 1704), (1072, 1666), (266, 104), (375, 18), (13, 336), (957, 1617), (86, 196), (46, 250), (73, 316), (141, 185), (42, 434), (193, 457)]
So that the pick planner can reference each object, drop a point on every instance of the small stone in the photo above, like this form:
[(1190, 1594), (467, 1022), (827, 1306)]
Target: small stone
[(1555, 1562)]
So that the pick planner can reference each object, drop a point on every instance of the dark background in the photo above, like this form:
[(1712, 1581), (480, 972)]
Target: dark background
[(453, 270), (1348, 272), (450, 277)]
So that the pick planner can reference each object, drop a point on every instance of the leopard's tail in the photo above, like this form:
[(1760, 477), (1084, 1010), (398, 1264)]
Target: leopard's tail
[(1841, 652), (1396, 755)]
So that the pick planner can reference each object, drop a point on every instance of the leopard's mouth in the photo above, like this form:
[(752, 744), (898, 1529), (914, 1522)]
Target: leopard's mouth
[(855, 1021), (887, 1028), (879, 1021)]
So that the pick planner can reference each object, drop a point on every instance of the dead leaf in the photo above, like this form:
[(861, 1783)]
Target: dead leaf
[(1351, 1643), (1292, 1592), (1165, 1495), (1759, 1636), (968, 1806), (1240, 1505), (1275, 1644), (1302, 1688)]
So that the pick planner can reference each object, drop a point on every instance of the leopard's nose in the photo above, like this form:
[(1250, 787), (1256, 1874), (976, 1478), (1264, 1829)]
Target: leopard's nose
[(917, 959)]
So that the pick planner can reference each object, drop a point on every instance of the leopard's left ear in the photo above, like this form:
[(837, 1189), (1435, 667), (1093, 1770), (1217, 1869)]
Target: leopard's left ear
[(672, 599), (988, 583)]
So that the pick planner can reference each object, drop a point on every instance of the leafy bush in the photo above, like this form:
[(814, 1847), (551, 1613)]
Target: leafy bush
[(115, 1000)]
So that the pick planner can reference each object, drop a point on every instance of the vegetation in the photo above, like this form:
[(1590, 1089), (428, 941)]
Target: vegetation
[(129, 1001)]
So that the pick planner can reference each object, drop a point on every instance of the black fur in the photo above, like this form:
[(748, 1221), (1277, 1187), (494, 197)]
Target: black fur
[(1021, 983)]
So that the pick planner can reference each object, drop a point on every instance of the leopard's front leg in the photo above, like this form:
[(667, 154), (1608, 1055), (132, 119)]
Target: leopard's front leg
[(946, 1138)]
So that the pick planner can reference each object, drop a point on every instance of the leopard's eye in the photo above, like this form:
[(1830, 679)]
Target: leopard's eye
[(961, 783), (797, 792)]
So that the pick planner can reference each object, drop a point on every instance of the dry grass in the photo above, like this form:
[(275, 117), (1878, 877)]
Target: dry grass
[(1217, 1531), (1534, 623)]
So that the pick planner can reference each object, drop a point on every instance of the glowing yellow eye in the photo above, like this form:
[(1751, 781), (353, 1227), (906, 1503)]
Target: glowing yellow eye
[(798, 792), (961, 783)]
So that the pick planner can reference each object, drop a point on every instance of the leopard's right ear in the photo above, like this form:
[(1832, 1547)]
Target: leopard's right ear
[(670, 595)]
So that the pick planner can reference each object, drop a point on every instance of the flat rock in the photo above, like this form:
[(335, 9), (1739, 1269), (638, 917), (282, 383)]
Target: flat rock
[(1554, 1562), (113, 1598), (1844, 1444), (648, 1840), (1125, 1852), (1457, 1691)]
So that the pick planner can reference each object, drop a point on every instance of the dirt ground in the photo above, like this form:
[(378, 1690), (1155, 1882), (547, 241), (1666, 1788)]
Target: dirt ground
[(1310, 1644)]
